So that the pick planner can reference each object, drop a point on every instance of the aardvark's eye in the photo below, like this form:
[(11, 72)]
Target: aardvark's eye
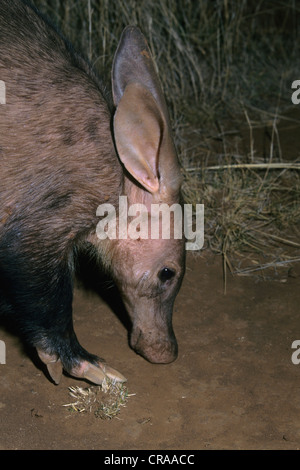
[(166, 274)]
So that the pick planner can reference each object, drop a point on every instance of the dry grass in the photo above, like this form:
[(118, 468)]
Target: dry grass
[(104, 401), (252, 208), (226, 69)]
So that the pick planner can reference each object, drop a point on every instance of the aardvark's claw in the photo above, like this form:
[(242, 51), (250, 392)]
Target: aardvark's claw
[(93, 374), (86, 370), (97, 374), (53, 364), (113, 374)]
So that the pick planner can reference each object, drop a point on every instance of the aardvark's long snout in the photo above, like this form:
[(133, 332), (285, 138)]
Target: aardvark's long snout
[(155, 346)]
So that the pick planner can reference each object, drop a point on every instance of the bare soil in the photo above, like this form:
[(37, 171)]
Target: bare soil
[(233, 385)]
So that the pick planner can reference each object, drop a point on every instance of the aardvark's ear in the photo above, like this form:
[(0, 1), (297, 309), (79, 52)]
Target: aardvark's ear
[(141, 124)]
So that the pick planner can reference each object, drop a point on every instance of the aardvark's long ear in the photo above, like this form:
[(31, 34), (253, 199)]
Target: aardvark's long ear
[(141, 124)]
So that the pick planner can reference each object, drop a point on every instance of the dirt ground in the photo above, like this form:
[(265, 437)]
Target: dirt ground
[(233, 386)]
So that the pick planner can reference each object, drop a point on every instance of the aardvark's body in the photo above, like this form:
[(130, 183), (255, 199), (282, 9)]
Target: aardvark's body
[(60, 158)]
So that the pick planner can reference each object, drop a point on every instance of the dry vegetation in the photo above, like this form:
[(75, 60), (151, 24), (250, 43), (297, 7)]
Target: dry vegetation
[(226, 69), (104, 401)]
